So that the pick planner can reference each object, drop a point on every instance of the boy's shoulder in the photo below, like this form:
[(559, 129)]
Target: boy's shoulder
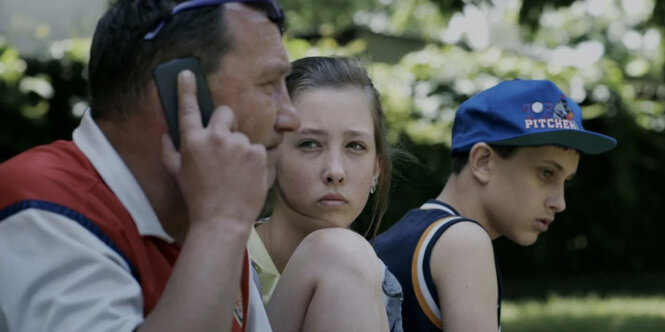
[(417, 220), (423, 226), (464, 238)]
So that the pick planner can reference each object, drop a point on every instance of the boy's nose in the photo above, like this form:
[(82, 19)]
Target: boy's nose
[(557, 202)]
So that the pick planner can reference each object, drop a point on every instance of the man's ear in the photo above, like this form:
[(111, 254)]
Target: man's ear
[(480, 161)]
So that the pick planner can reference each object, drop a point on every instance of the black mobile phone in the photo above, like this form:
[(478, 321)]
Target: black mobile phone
[(166, 78)]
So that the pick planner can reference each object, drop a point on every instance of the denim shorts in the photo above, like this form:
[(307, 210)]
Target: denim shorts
[(392, 299)]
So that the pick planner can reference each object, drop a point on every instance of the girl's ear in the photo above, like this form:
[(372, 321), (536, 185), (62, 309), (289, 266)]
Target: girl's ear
[(480, 161), (377, 168)]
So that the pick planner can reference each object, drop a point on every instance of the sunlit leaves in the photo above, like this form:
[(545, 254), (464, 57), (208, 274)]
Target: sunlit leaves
[(11, 65)]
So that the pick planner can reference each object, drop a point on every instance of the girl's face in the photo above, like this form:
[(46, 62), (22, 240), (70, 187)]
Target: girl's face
[(325, 169)]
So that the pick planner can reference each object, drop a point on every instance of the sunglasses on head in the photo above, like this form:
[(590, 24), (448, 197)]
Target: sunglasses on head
[(275, 13)]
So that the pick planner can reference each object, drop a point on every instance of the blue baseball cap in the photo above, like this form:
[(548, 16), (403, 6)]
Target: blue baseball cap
[(524, 113)]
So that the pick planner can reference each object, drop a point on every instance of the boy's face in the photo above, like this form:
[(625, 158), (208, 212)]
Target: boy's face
[(526, 190)]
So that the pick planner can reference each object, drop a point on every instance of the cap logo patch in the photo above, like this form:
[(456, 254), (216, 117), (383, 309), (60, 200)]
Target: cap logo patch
[(537, 107), (544, 115)]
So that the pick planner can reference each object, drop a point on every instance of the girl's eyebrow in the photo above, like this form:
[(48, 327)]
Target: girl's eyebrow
[(349, 133), (357, 133), (311, 131)]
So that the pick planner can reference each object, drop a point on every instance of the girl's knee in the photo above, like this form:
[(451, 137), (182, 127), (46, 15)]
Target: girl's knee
[(342, 251)]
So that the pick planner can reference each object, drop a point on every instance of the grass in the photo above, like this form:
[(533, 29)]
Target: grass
[(588, 313)]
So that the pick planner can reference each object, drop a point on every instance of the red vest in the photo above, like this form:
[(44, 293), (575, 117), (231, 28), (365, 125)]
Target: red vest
[(58, 177)]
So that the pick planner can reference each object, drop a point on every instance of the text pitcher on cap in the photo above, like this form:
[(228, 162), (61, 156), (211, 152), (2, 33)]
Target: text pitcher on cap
[(525, 113)]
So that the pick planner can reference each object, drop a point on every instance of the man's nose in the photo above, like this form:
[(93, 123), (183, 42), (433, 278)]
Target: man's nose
[(287, 115)]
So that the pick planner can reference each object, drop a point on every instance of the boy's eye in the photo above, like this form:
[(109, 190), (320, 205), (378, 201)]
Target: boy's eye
[(546, 174)]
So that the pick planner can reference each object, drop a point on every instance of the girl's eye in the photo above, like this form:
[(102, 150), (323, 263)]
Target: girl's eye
[(308, 144), (356, 146)]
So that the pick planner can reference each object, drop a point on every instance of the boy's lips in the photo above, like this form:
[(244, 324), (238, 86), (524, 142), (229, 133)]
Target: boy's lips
[(543, 223)]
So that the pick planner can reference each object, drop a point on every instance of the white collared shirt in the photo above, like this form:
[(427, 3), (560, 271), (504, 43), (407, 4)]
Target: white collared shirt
[(61, 277)]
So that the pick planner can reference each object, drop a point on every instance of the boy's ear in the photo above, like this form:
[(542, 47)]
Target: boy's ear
[(480, 161)]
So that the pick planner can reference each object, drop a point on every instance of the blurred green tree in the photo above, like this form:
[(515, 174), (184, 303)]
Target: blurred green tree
[(607, 55)]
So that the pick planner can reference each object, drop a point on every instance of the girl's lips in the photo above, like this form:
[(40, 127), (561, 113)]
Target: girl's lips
[(332, 203), (332, 200)]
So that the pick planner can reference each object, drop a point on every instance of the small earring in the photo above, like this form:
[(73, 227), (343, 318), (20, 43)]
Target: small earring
[(375, 181)]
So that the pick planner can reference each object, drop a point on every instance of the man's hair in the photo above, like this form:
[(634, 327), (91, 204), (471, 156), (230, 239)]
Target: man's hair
[(459, 160), (339, 72), (121, 61)]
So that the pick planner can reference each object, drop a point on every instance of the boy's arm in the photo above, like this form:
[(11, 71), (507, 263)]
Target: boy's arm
[(463, 271)]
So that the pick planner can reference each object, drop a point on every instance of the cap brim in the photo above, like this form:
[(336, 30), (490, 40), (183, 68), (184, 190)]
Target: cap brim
[(587, 142)]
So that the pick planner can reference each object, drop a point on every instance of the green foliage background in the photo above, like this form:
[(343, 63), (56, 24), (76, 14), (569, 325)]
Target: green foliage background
[(613, 223)]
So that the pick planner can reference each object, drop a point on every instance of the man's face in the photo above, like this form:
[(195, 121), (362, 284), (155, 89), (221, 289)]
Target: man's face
[(251, 79)]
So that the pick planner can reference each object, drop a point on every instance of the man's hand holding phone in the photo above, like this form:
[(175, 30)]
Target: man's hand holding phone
[(222, 176)]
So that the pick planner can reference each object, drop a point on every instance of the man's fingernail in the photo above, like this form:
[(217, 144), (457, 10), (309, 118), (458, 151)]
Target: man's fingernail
[(185, 76)]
